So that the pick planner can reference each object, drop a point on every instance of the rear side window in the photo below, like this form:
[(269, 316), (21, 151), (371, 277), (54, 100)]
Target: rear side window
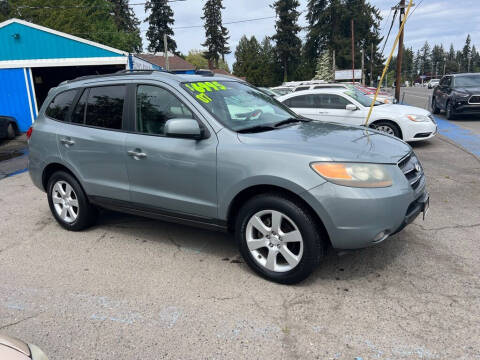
[(105, 107), (78, 113), (58, 108), (301, 101)]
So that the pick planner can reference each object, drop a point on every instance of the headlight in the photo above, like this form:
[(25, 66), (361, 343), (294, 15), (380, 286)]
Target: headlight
[(418, 118), (354, 174)]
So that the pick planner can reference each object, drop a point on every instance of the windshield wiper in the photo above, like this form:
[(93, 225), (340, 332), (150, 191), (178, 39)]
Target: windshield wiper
[(256, 128), (291, 121)]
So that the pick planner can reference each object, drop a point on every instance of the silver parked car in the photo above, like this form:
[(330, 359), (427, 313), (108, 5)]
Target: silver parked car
[(217, 152)]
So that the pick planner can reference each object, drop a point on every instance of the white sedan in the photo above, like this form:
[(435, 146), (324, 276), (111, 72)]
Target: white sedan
[(351, 107)]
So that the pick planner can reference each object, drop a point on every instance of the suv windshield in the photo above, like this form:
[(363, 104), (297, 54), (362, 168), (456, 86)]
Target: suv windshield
[(362, 99), (237, 105), (467, 81)]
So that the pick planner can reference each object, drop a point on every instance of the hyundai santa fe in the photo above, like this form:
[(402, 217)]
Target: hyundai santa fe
[(218, 153)]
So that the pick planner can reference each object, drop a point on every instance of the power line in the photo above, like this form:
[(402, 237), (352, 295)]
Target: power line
[(225, 23), (79, 6), (389, 30)]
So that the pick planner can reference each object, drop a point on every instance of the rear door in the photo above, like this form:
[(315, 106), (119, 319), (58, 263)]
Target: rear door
[(92, 142), (304, 105), (173, 175)]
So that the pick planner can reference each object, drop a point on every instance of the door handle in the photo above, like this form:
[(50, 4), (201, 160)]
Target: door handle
[(67, 141), (136, 154)]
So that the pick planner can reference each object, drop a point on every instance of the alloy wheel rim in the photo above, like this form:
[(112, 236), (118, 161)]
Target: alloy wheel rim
[(386, 129), (65, 201), (274, 241)]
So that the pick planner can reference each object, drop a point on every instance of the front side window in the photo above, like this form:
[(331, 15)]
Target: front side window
[(58, 108), (331, 101), (105, 107), (237, 105), (467, 81), (155, 106)]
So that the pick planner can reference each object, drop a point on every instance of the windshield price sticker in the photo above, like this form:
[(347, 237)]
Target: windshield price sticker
[(203, 87)]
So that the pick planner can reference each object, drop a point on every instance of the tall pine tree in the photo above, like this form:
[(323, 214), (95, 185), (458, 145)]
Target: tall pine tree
[(288, 44), (216, 34), (127, 22), (160, 21)]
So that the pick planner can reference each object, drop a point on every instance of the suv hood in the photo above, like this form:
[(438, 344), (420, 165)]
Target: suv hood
[(470, 90), (331, 142)]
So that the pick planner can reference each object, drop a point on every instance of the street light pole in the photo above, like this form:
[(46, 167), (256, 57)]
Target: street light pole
[(400, 53)]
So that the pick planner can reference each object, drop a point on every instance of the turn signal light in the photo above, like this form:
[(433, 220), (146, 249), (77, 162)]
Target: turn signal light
[(29, 132)]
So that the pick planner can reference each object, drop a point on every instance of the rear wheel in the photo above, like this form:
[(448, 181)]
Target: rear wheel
[(10, 131), (388, 127), (435, 108), (449, 112), (68, 202), (278, 238)]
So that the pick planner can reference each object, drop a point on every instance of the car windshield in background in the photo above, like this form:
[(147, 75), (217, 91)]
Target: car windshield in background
[(238, 106), (362, 99), (467, 81)]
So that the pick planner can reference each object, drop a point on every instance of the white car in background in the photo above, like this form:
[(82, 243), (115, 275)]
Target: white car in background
[(432, 83), (351, 107)]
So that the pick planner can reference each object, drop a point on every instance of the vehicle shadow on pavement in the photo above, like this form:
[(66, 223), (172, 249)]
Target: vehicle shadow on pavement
[(218, 245)]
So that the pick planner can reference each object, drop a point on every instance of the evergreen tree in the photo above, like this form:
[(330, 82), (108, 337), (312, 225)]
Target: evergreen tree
[(466, 54), (451, 65), (437, 60), (425, 61), (216, 34), (324, 67), (5, 10), (197, 58), (160, 21), (288, 44), (93, 20), (269, 65), (127, 22), (475, 65), (248, 60)]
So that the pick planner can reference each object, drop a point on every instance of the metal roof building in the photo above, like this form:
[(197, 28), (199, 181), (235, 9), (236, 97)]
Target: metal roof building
[(34, 59)]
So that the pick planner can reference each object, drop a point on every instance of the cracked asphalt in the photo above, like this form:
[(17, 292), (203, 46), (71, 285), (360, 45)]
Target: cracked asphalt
[(133, 288)]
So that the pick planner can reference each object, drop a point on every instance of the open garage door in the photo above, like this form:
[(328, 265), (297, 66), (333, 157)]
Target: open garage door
[(46, 78)]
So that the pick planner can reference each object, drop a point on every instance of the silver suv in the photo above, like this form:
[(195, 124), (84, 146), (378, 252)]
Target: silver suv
[(218, 153)]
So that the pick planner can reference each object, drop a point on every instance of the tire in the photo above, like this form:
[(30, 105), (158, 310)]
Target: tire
[(449, 112), (11, 131), (299, 236), (388, 127), (68, 202), (435, 108)]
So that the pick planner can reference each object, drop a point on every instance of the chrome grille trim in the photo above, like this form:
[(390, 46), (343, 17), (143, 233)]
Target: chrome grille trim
[(477, 99), (413, 173)]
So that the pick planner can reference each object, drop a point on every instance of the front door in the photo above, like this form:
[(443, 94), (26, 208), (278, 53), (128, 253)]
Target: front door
[(171, 174)]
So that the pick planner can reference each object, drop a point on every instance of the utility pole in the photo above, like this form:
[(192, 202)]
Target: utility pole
[(165, 52), (400, 53), (371, 66), (469, 57), (363, 77), (353, 53), (333, 65), (444, 65)]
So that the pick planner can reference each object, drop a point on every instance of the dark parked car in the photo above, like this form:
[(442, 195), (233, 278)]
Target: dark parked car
[(457, 94), (8, 127)]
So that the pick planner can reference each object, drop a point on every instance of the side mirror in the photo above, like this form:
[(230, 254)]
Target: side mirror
[(351, 107), (184, 128)]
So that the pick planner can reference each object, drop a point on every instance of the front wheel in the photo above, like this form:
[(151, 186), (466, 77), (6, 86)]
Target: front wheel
[(435, 108), (388, 127), (450, 113), (278, 238)]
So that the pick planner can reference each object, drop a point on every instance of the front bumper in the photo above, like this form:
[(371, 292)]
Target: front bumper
[(420, 131), (462, 107), (360, 217)]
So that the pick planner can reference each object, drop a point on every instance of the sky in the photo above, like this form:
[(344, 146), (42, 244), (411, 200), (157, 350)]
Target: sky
[(438, 21)]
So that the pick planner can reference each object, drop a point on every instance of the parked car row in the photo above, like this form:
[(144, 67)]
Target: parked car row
[(218, 153)]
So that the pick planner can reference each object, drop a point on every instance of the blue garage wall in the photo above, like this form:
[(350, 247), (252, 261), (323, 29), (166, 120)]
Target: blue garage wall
[(14, 96), (20, 42)]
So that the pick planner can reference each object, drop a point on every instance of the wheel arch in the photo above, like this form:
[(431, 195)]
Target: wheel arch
[(390, 121), (53, 167), (246, 194)]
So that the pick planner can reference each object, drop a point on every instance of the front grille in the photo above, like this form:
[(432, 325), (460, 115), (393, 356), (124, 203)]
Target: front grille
[(474, 99), (412, 169)]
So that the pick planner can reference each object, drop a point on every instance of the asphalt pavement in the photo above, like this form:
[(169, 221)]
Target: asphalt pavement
[(134, 288)]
